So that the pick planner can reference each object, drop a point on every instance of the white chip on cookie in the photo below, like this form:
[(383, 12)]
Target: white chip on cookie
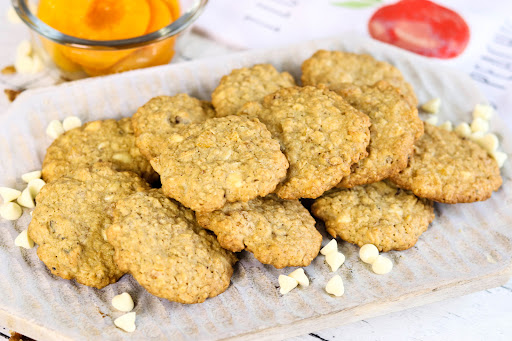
[(10, 211), (54, 129), (463, 129), (126, 322), (431, 106), (9, 194), (479, 125), (23, 240), (123, 302), (483, 111), (31, 176), (447, 125), (335, 286), (432, 120), (382, 265), (25, 199), (335, 260), (368, 253), (330, 247), (300, 277), (71, 122), (286, 284)]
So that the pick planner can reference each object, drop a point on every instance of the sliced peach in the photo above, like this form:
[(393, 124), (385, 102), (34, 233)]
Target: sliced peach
[(54, 50), (174, 7), (160, 15)]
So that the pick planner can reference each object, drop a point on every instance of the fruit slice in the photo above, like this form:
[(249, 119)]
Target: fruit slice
[(160, 15), (421, 26)]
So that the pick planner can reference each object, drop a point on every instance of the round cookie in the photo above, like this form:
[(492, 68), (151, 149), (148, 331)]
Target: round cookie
[(98, 141), (225, 159), (334, 67), (278, 232), (320, 134), (70, 219), (380, 214), (247, 85), (395, 127), (159, 242), (450, 169)]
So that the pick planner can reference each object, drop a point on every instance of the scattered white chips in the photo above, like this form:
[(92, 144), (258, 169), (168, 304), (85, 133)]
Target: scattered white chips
[(447, 125), (34, 187), (335, 286), (432, 120), (368, 253), (10, 211), (26, 199), (463, 129), (335, 260), (31, 176), (23, 240), (54, 129), (489, 142), (431, 106), (286, 284), (500, 157), (483, 111), (300, 277), (123, 302), (126, 322), (71, 122), (479, 125), (382, 265), (332, 246), (9, 194)]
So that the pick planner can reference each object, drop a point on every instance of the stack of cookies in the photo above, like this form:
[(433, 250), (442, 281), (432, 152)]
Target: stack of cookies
[(232, 173)]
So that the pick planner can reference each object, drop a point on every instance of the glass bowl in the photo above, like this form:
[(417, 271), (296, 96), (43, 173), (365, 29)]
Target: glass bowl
[(77, 58)]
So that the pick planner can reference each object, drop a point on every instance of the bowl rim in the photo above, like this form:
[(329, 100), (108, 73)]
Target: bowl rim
[(185, 20)]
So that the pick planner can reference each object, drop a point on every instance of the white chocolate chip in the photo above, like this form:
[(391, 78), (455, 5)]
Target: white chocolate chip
[(71, 122), (25, 199), (9, 194), (12, 16), (126, 322), (10, 211), (54, 129), (483, 111), (335, 260), (479, 125), (335, 286), (476, 136), (24, 64), (24, 49), (332, 246), (382, 265), (500, 157), (34, 187), (286, 284), (463, 129), (432, 106), (123, 157), (23, 240), (432, 120), (489, 142), (31, 176), (123, 302), (300, 277), (37, 64), (368, 253), (447, 125)]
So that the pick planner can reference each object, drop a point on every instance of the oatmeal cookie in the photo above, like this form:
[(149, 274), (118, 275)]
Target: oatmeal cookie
[(247, 85), (380, 214), (98, 141), (159, 242), (320, 134), (395, 127), (334, 67), (70, 219), (450, 169), (225, 159), (278, 232)]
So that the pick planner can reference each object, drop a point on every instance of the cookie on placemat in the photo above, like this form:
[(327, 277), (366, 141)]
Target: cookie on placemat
[(378, 213), (450, 169), (246, 85), (278, 232), (320, 133), (106, 141), (334, 67), (159, 242), (70, 219), (395, 127), (226, 159)]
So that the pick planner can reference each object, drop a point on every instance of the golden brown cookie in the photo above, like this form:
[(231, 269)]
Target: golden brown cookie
[(450, 169), (334, 67), (246, 85), (70, 219), (226, 159), (320, 134), (159, 242), (379, 213), (98, 141), (395, 127), (278, 232)]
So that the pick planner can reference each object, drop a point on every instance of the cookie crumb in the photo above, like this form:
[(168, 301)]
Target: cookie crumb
[(8, 70), (12, 94)]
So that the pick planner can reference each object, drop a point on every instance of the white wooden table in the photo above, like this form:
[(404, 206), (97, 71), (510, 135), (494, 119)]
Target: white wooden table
[(485, 315)]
